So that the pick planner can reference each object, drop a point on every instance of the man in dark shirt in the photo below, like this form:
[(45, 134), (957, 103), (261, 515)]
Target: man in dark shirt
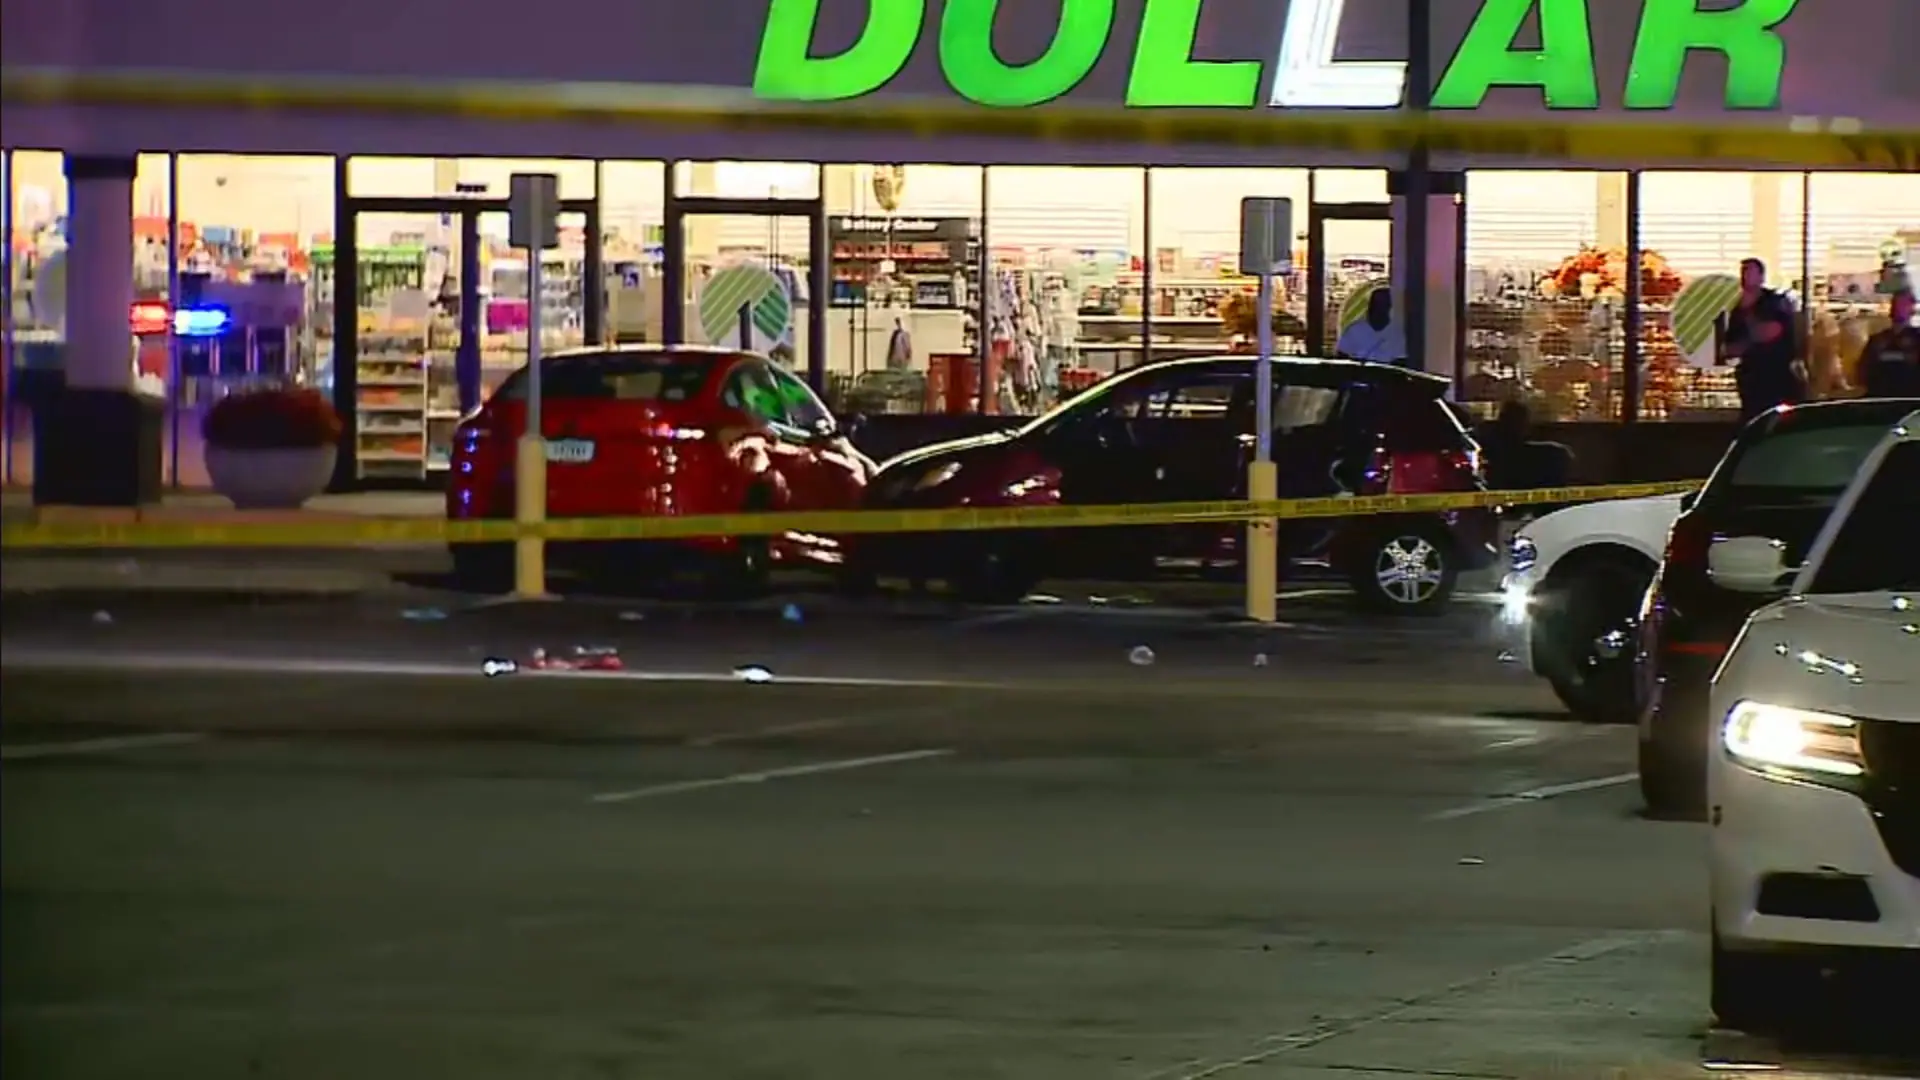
[(1759, 336), (1890, 362)]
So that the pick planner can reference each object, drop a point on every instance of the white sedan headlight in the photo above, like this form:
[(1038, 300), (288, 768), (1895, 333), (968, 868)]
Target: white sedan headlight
[(1795, 740), (1522, 554)]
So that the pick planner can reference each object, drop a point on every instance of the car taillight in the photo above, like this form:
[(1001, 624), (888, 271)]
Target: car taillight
[(1463, 462), (675, 433)]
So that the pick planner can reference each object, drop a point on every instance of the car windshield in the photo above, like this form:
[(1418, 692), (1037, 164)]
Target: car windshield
[(614, 376), (1109, 391), (1806, 458), (1872, 552)]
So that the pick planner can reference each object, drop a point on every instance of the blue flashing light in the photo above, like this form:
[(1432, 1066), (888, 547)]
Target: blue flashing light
[(201, 322)]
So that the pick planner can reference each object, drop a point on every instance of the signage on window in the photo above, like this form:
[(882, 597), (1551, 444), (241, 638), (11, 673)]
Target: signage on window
[(1306, 71)]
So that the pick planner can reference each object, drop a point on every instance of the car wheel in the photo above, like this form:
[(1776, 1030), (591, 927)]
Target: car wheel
[(1759, 993), (1408, 570), (1673, 787), (483, 567), (1576, 648), (999, 571)]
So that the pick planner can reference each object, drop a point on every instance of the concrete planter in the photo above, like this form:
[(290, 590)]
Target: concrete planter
[(270, 479)]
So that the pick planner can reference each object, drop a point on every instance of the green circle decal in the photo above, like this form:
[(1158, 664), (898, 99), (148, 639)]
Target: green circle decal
[(1699, 305), (1354, 307), (757, 290)]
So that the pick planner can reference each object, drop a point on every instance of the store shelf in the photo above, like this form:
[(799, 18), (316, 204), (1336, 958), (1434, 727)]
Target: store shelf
[(390, 430)]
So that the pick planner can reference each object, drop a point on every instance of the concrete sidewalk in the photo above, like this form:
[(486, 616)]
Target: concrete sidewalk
[(17, 505)]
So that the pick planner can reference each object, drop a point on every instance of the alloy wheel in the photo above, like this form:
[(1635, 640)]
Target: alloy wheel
[(1410, 570)]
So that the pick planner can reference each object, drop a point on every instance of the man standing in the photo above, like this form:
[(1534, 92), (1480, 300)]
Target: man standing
[(1890, 362), (1759, 336), (1376, 337)]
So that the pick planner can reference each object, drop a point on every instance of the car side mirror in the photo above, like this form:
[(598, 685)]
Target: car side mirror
[(1688, 500), (1749, 564)]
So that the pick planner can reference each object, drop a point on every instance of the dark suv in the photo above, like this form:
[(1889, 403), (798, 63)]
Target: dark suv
[(1781, 479), (1182, 431)]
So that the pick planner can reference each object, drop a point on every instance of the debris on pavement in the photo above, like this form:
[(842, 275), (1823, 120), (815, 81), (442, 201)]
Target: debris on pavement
[(103, 618), (494, 666), (753, 673), (579, 658), (792, 613), (1141, 656), (1040, 598), (1259, 659), (1471, 860), (633, 616)]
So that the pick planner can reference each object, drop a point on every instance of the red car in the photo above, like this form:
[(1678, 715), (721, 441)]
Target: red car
[(642, 431), (1180, 431)]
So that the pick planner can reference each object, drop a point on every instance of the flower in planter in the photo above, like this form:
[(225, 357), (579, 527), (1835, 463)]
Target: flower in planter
[(273, 419)]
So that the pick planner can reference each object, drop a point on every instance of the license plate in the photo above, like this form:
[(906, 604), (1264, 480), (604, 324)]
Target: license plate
[(569, 451)]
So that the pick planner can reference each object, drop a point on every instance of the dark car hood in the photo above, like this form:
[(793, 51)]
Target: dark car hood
[(921, 457)]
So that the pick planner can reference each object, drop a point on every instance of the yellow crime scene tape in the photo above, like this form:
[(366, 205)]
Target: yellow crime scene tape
[(161, 529), (1784, 141)]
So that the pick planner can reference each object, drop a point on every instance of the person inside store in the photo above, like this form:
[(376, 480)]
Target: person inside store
[(1377, 336), (1760, 339), (1889, 364)]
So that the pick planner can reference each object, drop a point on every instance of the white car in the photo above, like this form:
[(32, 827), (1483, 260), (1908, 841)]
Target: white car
[(1813, 777), (1574, 579)]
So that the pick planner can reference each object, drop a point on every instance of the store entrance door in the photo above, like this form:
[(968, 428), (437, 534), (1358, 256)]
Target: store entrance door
[(429, 312), (1348, 256), (750, 274)]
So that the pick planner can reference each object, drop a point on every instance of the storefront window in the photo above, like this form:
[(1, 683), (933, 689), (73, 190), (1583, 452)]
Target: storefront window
[(1358, 253), (414, 177), (748, 255), (1695, 229), (632, 238), (256, 235), (1545, 292), (1200, 303), (903, 313), (1065, 244), (1863, 241)]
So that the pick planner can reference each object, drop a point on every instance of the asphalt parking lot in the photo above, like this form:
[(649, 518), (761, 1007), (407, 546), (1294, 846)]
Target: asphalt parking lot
[(1365, 859)]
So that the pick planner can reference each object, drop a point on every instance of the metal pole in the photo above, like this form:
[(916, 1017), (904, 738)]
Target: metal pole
[(174, 404), (1146, 266), (989, 293), (1419, 185), (530, 481), (8, 373), (1263, 374), (1631, 351), (534, 273), (1263, 534)]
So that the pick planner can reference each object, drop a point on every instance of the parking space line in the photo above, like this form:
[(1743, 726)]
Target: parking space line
[(109, 745), (817, 768), (819, 724), (1534, 795)]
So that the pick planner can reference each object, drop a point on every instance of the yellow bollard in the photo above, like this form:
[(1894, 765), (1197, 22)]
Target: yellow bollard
[(1263, 546), (530, 509)]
